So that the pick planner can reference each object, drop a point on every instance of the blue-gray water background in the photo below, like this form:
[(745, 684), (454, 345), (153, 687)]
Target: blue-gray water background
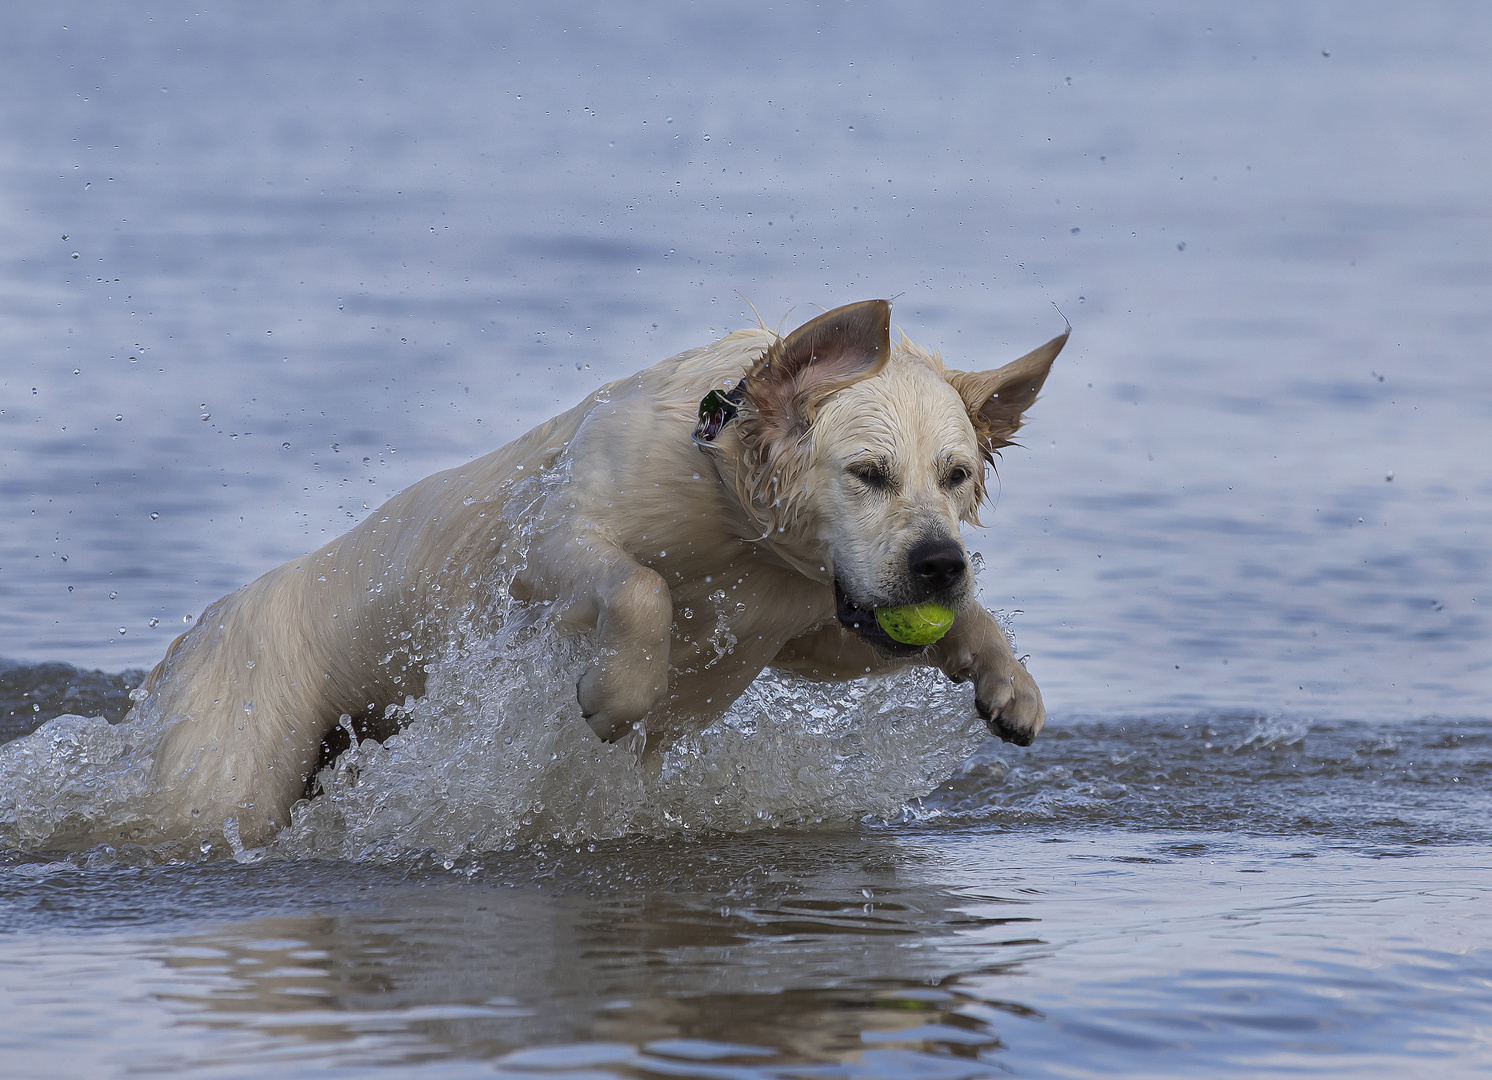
[(264, 265)]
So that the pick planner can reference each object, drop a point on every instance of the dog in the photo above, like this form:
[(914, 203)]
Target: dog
[(783, 487)]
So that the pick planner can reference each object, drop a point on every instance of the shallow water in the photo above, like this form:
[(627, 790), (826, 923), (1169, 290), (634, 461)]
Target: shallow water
[(261, 273), (1146, 899)]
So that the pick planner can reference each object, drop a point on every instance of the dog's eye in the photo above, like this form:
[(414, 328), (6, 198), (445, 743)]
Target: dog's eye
[(872, 474), (956, 476)]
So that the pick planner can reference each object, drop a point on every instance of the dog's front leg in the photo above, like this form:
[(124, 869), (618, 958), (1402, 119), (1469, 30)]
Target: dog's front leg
[(633, 616), (976, 650), (832, 653)]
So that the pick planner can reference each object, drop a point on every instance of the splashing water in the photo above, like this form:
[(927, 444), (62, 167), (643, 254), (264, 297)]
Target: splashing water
[(496, 754), (75, 781)]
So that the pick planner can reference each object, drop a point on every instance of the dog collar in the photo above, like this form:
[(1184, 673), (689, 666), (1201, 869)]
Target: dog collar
[(716, 409)]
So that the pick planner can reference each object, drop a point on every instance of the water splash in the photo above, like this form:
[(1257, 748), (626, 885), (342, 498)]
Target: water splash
[(75, 781), (496, 755)]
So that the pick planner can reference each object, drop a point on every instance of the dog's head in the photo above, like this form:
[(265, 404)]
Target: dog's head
[(860, 459)]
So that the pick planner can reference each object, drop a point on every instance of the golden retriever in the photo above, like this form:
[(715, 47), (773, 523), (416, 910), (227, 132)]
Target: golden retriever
[(765, 492)]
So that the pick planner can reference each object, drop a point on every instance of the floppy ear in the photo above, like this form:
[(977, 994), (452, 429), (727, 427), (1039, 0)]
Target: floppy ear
[(835, 350), (997, 399)]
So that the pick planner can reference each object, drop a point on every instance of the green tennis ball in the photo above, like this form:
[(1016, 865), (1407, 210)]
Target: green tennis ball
[(916, 624)]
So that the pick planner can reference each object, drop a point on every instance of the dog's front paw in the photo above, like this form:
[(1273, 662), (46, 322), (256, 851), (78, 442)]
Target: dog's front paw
[(615, 697), (977, 651), (1004, 693), (630, 676), (1010, 703)]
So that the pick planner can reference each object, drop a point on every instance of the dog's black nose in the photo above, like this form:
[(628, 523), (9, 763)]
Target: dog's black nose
[(936, 563)]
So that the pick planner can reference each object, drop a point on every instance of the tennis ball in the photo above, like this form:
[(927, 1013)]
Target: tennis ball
[(915, 624)]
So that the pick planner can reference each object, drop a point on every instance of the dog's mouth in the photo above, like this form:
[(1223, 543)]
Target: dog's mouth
[(862, 620)]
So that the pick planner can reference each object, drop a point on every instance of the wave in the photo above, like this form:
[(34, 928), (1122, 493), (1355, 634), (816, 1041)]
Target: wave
[(1421, 781)]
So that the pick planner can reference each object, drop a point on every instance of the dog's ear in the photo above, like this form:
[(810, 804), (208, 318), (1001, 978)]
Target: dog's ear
[(997, 399), (797, 372)]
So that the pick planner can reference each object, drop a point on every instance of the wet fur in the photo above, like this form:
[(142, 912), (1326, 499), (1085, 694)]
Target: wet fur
[(850, 457)]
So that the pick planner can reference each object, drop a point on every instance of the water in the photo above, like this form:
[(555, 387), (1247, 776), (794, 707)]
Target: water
[(1076, 909), (322, 253), (1079, 908)]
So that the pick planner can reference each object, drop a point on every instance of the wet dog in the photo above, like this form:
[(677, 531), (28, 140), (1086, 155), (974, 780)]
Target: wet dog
[(768, 492)]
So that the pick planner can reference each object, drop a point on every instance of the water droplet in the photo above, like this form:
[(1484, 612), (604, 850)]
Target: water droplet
[(154, 623), (113, 595), (121, 630), (119, 416), (284, 446), (76, 255), (155, 517)]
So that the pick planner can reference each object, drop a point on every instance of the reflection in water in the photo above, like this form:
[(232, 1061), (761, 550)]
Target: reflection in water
[(758, 953), (955, 952)]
